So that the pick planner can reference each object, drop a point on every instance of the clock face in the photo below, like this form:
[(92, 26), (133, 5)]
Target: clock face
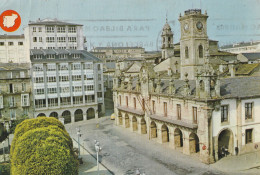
[(199, 25), (186, 27)]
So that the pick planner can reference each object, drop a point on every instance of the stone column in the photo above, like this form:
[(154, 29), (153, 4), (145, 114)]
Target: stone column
[(84, 116), (96, 113), (186, 143), (159, 134), (72, 117), (171, 139)]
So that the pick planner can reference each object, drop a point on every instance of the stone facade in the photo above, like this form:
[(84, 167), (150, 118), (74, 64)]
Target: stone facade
[(198, 109)]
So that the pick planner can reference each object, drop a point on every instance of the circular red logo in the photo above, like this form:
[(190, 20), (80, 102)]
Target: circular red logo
[(204, 147), (10, 20)]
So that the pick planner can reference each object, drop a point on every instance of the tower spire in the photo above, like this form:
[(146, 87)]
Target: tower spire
[(166, 16)]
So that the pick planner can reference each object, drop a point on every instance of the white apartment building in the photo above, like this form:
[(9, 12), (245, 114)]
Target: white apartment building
[(67, 80), (13, 49)]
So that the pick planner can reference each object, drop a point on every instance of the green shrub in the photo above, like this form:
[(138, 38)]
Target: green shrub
[(44, 150), (38, 122), (5, 168)]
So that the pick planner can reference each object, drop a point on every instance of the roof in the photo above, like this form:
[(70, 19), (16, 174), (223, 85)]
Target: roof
[(246, 69), (12, 36), (242, 44), (252, 56), (101, 48), (14, 66), (86, 54), (222, 53), (52, 22)]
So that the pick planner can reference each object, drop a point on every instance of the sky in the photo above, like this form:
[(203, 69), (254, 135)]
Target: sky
[(125, 23)]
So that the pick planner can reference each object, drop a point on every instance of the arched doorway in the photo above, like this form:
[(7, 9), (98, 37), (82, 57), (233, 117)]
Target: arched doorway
[(127, 123), (134, 123), (90, 113), (225, 143), (120, 119), (41, 115), (54, 114), (165, 133), (178, 139), (194, 143), (67, 117), (143, 126), (78, 115), (153, 130)]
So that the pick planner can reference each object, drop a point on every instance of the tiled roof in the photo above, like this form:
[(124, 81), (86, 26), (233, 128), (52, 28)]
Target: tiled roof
[(246, 69), (252, 56)]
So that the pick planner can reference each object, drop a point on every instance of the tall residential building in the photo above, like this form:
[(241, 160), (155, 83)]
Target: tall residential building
[(67, 81), (15, 91)]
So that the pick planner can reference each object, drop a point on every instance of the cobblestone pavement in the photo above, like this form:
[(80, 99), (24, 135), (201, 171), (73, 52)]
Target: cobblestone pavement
[(124, 151)]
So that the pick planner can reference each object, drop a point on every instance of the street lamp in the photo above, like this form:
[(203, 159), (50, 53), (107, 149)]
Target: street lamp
[(98, 149), (79, 135)]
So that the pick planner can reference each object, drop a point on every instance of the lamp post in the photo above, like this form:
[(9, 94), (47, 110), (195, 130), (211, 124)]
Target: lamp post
[(79, 135), (98, 149)]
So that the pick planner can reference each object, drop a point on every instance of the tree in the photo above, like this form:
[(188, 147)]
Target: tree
[(42, 146)]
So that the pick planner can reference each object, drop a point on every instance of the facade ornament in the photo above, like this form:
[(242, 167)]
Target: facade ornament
[(171, 89)]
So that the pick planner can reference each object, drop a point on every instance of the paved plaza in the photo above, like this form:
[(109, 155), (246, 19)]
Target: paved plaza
[(124, 151)]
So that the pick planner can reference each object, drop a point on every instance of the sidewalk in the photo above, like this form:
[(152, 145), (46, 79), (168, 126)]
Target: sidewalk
[(239, 163), (89, 166)]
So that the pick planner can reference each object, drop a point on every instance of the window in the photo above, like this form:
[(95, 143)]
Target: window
[(40, 39), (72, 39), (25, 111), (63, 56), (99, 67), (49, 29), (75, 56), (90, 87), (61, 39), (51, 67), (50, 56), (51, 79), (78, 100), (20, 43), (25, 99), (99, 77), (224, 113), (194, 114), (165, 109), (249, 137), (90, 98), (179, 111), (120, 100), (12, 114), (40, 29), (99, 94), (76, 66), (34, 29), (135, 103), (248, 110), (88, 66), (1, 102), (34, 39), (23, 87), (89, 76), (38, 68), (126, 100), (72, 29), (153, 105), (200, 51), (61, 29), (64, 78), (39, 91), (99, 87), (50, 39), (76, 77), (64, 89), (11, 101), (2, 43), (37, 57), (38, 79), (40, 103), (10, 43), (186, 52), (77, 88), (64, 67), (65, 101), (22, 74), (52, 102), (11, 88)]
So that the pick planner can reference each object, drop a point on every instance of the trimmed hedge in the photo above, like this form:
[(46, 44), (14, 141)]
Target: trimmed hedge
[(42, 146), (38, 122), (5, 168)]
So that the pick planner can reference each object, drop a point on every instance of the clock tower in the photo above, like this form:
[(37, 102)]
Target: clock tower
[(194, 43)]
